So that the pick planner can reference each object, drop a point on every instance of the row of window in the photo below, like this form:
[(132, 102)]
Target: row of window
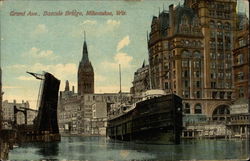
[(197, 108), (220, 84), (220, 56), (219, 25), (186, 63), (221, 95), (215, 75), (214, 65)]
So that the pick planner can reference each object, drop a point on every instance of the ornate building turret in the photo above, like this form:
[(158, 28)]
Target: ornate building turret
[(85, 73)]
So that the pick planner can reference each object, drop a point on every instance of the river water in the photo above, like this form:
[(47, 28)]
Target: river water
[(101, 148)]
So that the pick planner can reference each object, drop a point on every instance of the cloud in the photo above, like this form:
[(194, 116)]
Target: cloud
[(11, 87), (40, 29), (38, 53), (89, 22), (94, 28), (26, 78), (120, 58), (124, 42), (113, 22), (59, 70)]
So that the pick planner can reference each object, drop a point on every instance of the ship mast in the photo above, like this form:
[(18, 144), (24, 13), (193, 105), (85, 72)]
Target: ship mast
[(120, 77)]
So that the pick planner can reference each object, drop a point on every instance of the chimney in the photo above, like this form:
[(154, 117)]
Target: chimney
[(67, 86)]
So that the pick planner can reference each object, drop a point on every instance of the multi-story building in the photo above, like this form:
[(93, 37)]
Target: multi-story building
[(86, 114), (141, 81), (8, 113), (239, 124), (96, 107), (241, 57), (190, 54), (69, 111)]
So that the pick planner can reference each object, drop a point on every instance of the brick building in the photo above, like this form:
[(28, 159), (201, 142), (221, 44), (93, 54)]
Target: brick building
[(190, 54)]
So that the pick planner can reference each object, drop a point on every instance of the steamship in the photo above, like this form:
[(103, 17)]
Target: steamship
[(155, 119)]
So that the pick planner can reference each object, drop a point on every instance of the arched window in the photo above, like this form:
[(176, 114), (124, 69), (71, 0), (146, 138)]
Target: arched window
[(197, 54), (185, 54), (197, 109), (227, 26), (212, 25), (221, 113), (219, 25)]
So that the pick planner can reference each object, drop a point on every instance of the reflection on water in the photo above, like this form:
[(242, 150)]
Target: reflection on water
[(100, 148)]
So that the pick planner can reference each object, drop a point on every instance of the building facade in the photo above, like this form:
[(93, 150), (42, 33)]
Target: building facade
[(241, 57), (8, 113), (86, 114), (190, 54), (85, 75), (141, 81)]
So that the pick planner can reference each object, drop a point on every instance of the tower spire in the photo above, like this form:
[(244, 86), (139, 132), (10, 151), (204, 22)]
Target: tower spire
[(84, 36), (85, 57)]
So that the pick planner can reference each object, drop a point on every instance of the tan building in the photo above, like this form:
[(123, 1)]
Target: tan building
[(69, 111), (190, 54), (141, 81), (85, 114)]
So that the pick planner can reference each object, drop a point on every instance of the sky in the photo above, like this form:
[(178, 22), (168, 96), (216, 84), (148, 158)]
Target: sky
[(54, 43)]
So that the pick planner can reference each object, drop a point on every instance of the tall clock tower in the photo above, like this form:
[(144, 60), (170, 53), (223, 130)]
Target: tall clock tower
[(85, 72)]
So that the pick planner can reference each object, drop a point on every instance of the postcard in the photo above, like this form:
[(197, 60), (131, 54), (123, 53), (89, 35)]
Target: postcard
[(124, 80)]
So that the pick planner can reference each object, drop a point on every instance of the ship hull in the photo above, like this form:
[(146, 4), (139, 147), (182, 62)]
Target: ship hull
[(154, 121)]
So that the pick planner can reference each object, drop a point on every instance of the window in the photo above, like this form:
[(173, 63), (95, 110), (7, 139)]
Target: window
[(212, 24), (198, 84), (213, 65), (212, 56), (213, 75), (184, 63), (197, 109), (186, 108), (185, 94), (197, 54), (240, 76), (197, 74), (240, 59), (167, 76), (241, 91), (198, 94), (167, 85), (185, 74), (219, 25), (197, 64), (227, 26), (213, 84), (241, 42), (185, 83)]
